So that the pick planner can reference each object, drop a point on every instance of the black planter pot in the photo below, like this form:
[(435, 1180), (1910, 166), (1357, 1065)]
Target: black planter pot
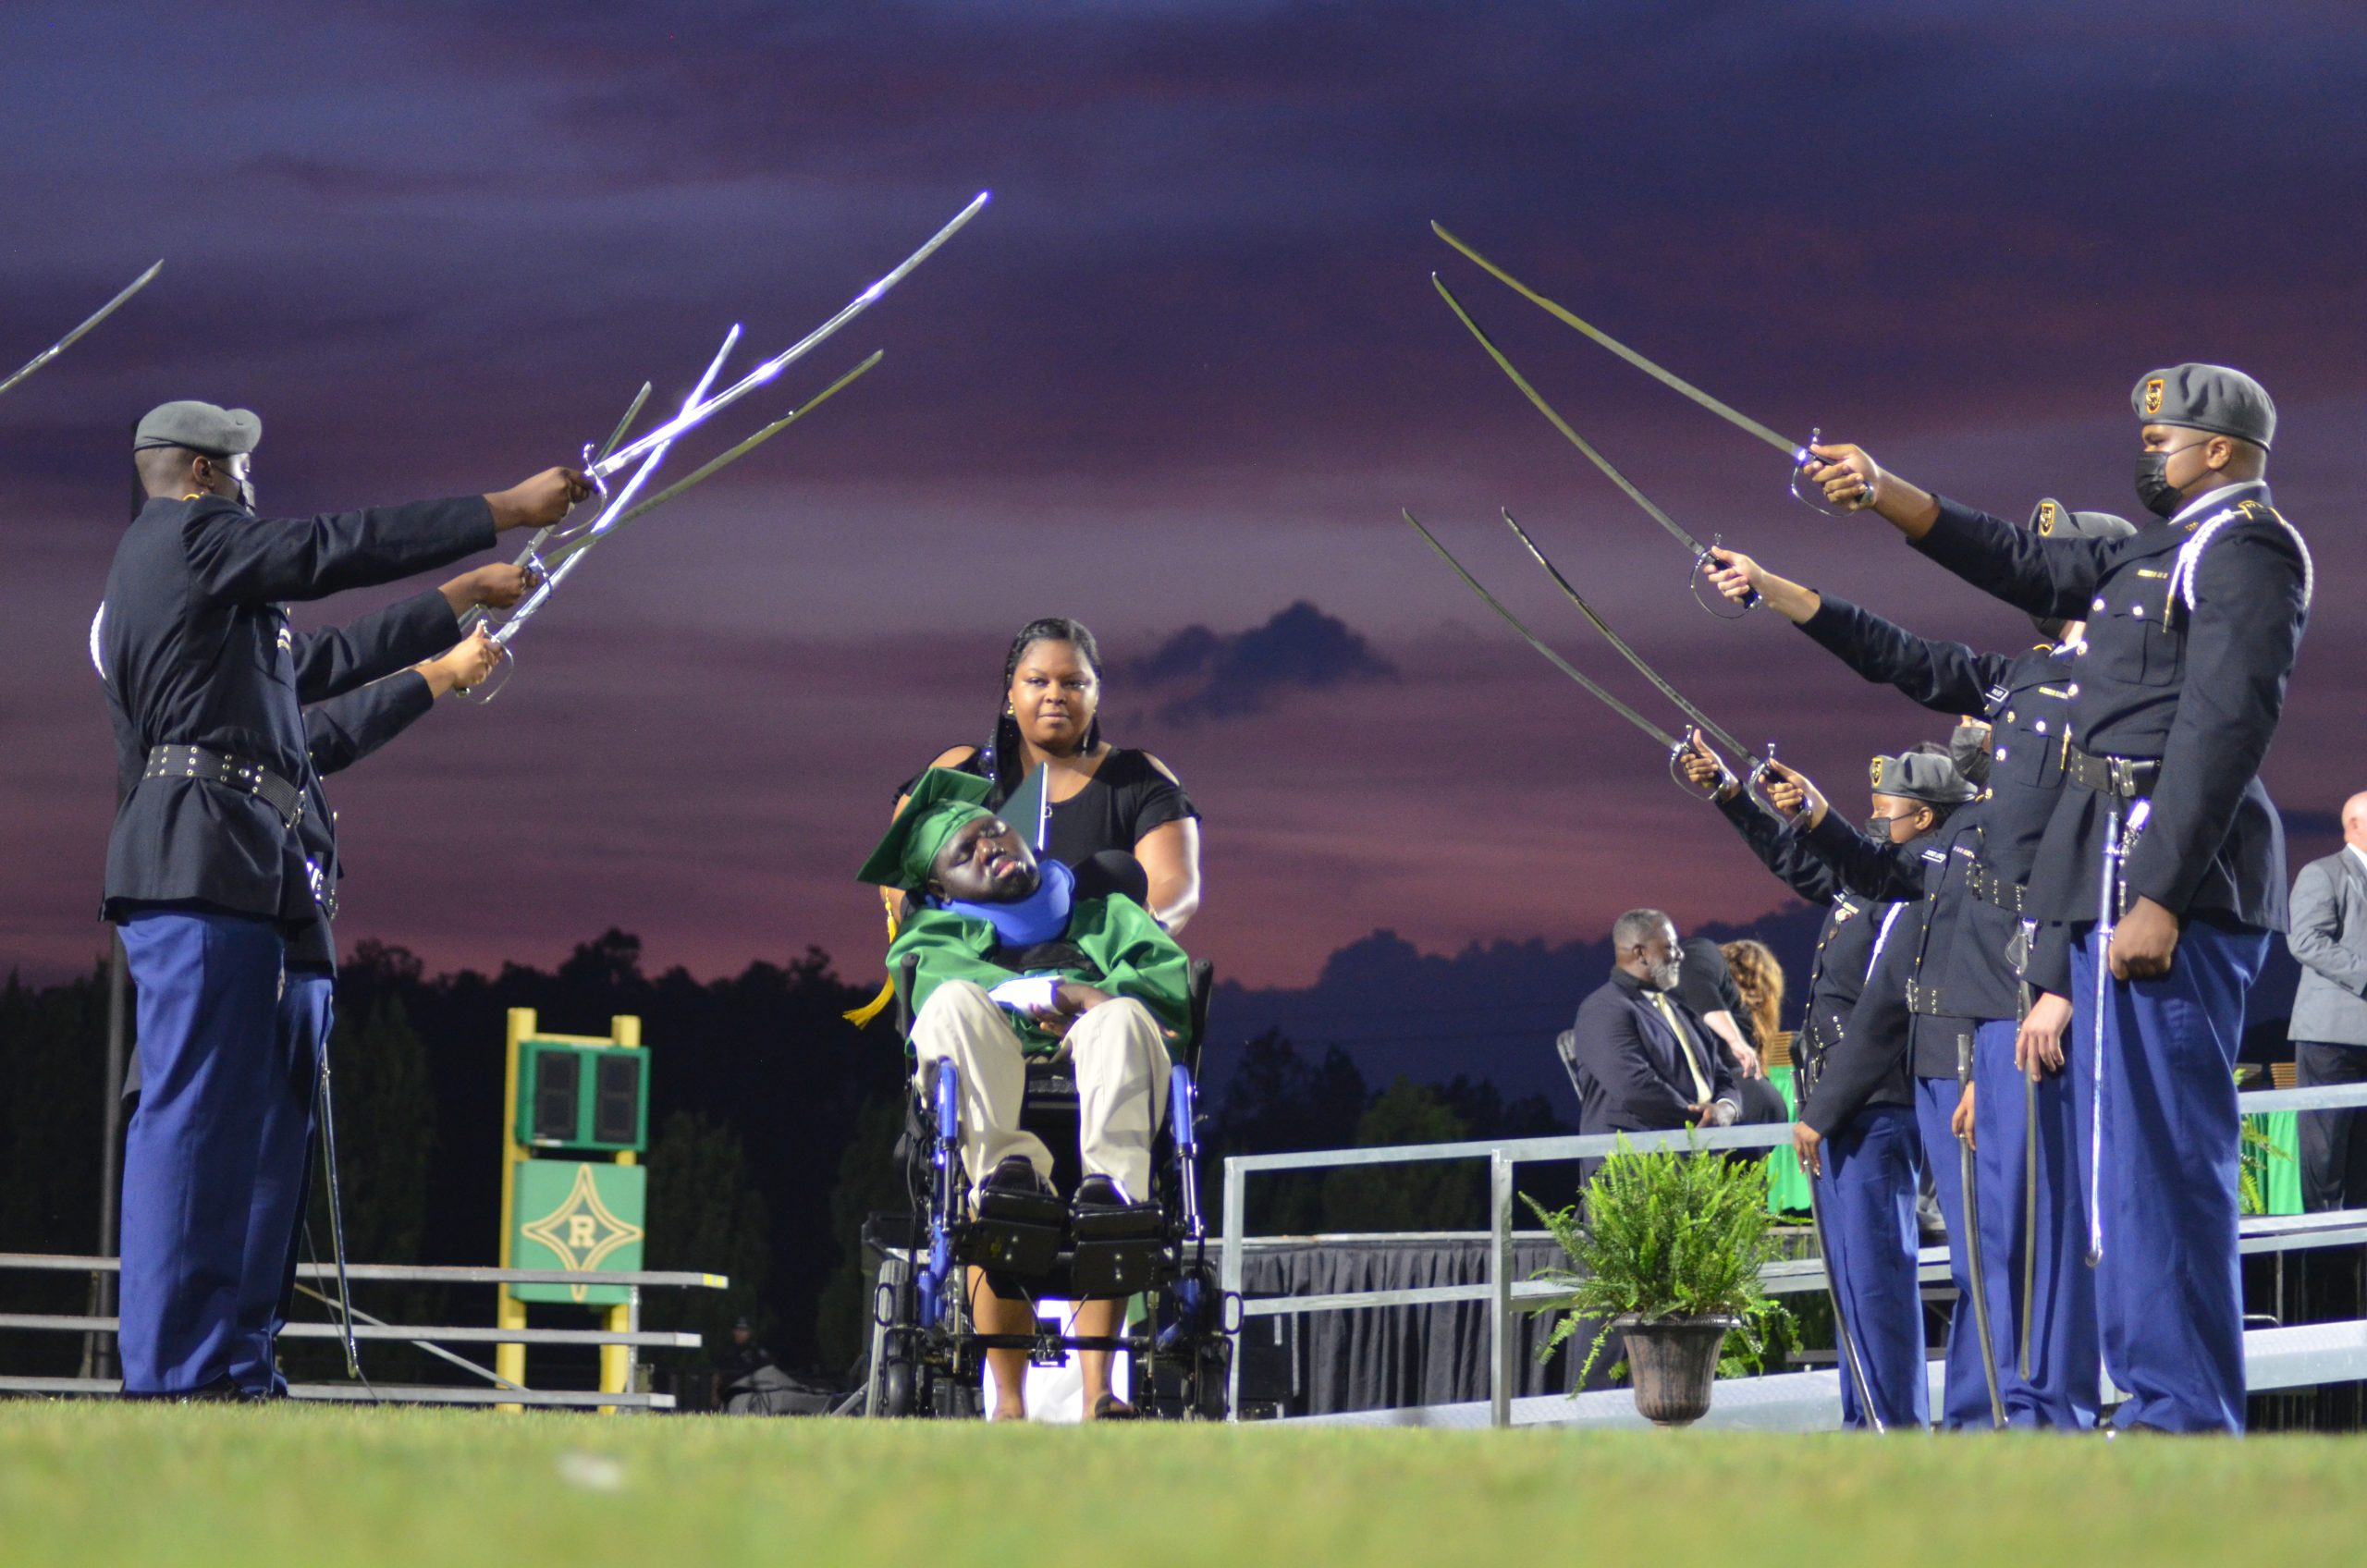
[(1673, 1364)]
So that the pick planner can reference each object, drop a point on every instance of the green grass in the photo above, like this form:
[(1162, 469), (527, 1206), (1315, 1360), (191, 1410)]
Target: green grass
[(194, 1486)]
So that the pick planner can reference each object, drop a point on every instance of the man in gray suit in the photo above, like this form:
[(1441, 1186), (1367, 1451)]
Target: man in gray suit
[(2329, 1029)]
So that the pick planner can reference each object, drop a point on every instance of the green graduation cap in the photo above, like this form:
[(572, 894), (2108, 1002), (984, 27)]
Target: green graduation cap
[(942, 803)]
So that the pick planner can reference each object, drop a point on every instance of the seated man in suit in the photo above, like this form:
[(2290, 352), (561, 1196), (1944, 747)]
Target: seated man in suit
[(1641, 1059)]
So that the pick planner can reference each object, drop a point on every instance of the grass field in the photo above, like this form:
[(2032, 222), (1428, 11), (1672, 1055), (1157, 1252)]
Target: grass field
[(188, 1488)]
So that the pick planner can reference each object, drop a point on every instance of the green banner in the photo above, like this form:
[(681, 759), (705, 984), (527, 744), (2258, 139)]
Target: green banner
[(581, 1215)]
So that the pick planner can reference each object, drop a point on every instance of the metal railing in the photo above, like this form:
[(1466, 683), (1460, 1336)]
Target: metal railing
[(2346, 1226), (429, 1338)]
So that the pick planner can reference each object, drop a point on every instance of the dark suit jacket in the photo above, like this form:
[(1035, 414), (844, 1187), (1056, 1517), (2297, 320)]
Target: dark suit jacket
[(197, 651), (1625, 1066)]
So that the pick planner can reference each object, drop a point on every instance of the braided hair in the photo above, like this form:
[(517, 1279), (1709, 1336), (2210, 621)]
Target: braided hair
[(1004, 756)]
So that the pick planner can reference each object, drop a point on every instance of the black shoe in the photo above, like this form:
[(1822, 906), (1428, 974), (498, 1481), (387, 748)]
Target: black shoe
[(1015, 1174), (1098, 1192)]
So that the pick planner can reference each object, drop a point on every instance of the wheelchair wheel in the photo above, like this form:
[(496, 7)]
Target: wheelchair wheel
[(895, 1387)]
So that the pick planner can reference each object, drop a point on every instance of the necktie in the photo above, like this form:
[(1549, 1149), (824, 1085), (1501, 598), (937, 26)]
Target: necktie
[(1684, 1048)]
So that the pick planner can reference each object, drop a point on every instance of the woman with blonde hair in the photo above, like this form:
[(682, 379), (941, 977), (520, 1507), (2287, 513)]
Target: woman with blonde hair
[(1760, 980)]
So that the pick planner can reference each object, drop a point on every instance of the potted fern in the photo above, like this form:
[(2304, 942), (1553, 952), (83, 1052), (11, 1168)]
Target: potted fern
[(1667, 1255)]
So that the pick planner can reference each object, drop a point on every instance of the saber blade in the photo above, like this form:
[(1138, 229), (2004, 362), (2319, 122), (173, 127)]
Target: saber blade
[(1709, 726), (1967, 1173), (1537, 399), (73, 336), (1668, 378), (720, 460), (1534, 641), (692, 417)]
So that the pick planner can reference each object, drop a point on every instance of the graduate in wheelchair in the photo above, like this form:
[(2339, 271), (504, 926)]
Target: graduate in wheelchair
[(1040, 999)]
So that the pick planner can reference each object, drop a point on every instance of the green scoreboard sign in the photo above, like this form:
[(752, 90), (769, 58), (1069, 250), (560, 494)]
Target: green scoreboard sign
[(580, 1215), (572, 1095)]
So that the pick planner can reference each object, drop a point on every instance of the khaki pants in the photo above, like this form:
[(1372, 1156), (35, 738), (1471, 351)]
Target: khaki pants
[(1115, 1051)]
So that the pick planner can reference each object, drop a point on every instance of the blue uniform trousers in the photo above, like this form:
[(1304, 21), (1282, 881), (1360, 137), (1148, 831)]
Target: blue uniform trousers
[(283, 1178), (1964, 1400), (2169, 1292), (2061, 1391), (207, 988), (1873, 1167)]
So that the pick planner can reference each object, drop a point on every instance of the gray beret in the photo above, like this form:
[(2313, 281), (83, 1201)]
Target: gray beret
[(1918, 775), (2211, 398), (2052, 519), (201, 427)]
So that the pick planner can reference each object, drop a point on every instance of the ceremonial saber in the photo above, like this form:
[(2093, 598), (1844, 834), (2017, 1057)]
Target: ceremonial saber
[(1967, 1171), (2029, 1210), (617, 503), (73, 336), (531, 557), (1700, 552), (1708, 725), (698, 414), (1796, 450), (2107, 914), (337, 1222), (574, 547)]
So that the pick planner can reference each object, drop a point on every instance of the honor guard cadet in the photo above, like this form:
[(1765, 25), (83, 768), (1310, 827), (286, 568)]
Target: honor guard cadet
[(2163, 860), (1900, 1036), (1871, 1164), (2017, 712), (206, 874)]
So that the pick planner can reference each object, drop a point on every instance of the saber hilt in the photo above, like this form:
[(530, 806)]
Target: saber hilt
[(1702, 562)]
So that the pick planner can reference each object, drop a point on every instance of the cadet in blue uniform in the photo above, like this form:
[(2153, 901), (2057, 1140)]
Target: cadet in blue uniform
[(1872, 1160), (2193, 624), (205, 873), (1976, 943), (338, 733), (1902, 1017)]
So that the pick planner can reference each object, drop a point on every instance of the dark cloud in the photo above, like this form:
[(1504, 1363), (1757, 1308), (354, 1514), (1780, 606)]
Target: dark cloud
[(1234, 677)]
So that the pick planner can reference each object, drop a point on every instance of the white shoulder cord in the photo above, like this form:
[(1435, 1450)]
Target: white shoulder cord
[(2190, 556), (97, 621), (1881, 936)]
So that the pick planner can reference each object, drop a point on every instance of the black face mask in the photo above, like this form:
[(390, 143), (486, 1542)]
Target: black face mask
[(1969, 749), (2155, 491), (1879, 827)]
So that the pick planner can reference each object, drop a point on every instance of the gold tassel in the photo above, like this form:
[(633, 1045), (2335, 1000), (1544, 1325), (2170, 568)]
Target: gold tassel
[(863, 1015)]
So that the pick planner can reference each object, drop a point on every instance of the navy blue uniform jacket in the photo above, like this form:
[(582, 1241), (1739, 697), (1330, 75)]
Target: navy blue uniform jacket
[(338, 734), (1632, 1076), (2027, 699), (2198, 688), (1845, 949), (198, 652)]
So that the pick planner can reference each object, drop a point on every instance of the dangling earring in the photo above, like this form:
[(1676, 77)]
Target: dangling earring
[(1009, 711)]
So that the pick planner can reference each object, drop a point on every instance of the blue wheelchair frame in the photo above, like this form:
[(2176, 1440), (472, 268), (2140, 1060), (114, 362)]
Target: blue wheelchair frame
[(932, 1357)]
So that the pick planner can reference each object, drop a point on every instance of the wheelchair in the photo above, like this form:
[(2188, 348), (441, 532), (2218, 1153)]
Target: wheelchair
[(927, 1354)]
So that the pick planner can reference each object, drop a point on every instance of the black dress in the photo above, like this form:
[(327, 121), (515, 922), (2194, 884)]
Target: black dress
[(1125, 799)]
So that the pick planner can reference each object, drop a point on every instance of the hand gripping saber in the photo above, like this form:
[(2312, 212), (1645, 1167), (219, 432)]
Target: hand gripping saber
[(697, 413), (2107, 918), (73, 336), (1797, 451), (1967, 1171), (1674, 745), (1700, 552)]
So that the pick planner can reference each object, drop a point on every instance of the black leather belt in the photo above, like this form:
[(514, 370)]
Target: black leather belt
[(1992, 888), (2130, 778), (236, 772)]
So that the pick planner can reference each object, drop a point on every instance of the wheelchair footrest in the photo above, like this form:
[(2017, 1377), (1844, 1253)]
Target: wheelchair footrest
[(1118, 1251), (1015, 1232)]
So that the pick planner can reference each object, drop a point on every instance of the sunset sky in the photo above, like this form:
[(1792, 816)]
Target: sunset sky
[(1182, 372)]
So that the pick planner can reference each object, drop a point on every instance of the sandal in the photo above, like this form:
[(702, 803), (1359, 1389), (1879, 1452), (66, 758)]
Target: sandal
[(1110, 1407)]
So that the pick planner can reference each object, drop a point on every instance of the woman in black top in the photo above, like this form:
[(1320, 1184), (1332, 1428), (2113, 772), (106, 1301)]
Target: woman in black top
[(1103, 797)]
